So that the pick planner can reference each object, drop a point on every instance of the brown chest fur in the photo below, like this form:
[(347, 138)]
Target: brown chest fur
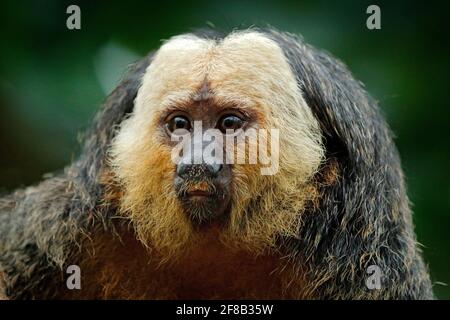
[(114, 268)]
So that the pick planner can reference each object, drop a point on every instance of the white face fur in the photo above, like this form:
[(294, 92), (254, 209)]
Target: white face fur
[(249, 71)]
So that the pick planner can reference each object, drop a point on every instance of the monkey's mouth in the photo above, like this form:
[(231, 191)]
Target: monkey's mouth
[(203, 201), (199, 194)]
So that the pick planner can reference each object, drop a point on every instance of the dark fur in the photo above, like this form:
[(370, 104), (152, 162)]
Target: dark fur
[(363, 218)]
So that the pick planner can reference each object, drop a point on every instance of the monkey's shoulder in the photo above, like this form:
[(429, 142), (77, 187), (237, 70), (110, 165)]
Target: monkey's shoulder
[(34, 235)]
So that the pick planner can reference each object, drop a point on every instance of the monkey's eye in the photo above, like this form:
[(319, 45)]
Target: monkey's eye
[(230, 122), (178, 122)]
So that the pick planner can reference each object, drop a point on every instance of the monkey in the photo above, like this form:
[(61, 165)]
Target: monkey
[(141, 226)]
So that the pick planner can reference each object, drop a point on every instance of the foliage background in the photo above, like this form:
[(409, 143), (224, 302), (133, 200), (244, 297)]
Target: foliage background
[(53, 79)]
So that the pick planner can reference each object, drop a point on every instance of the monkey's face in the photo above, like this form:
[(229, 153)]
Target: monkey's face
[(203, 186), (198, 89)]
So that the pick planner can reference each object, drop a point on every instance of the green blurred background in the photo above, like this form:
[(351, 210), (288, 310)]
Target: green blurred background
[(53, 79)]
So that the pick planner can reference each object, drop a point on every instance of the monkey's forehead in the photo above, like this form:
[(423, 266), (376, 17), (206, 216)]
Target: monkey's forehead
[(243, 68)]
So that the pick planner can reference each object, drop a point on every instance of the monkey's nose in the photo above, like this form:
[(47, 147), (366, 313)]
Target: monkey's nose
[(192, 171)]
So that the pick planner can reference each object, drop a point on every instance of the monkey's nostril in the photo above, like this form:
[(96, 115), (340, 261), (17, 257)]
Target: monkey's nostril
[(198, 170), (214, 168), (182, 170)]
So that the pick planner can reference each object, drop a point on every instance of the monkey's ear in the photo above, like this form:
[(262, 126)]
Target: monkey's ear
[(86, 170)]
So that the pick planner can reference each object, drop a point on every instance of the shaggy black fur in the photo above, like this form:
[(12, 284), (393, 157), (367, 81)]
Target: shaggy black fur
[(364, 219), (40, 227)]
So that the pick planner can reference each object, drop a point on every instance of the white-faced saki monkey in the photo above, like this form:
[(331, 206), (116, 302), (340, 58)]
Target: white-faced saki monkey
[(331, 222)]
